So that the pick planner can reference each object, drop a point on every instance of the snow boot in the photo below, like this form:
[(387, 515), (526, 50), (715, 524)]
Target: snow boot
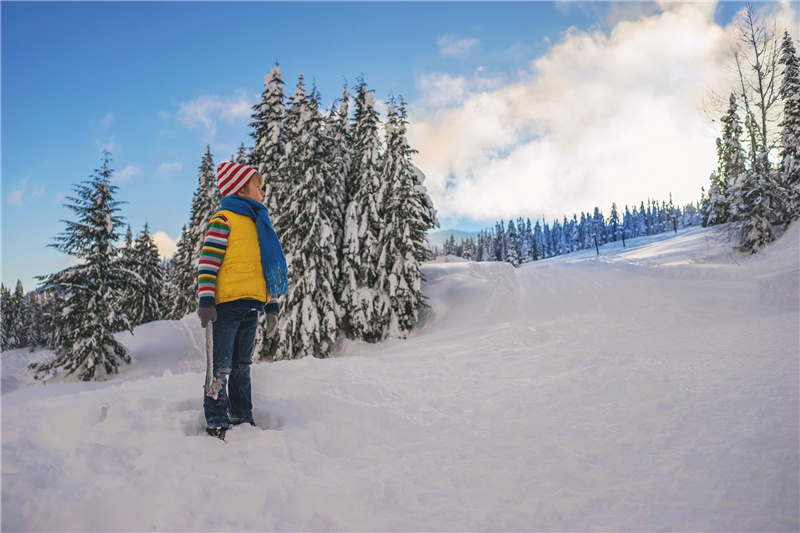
[(238, 421), (217, 432)]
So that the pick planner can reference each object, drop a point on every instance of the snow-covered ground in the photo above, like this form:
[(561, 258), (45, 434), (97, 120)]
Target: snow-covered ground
[(654, 387)]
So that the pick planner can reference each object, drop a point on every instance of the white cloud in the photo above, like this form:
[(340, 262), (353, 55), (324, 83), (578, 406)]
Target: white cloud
[(107, 120), (204, 112), (450, 45), (126, 174), (16, 196), (601, 118), (166, 245), (165, 169)]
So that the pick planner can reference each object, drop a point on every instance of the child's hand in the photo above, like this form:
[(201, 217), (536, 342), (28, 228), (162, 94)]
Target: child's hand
[(206, 314), (272, 324)]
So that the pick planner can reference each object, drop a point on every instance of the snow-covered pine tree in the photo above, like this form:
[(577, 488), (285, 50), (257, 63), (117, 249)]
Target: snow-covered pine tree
[(731, 157), (575, 244), (547, 240), (309, 322), (241, 155), (362, 302), (89, 293), (127, 264), (538, 242), (18, 329), (266, 156), (179, 299), (757, 205), (512, 255), (757, 202), (145, 305), (790, 128), (5, 318), (487, 253), (205, 202), (406, 219), (340, 154), (469, 248), (34, 320), (13, 316)]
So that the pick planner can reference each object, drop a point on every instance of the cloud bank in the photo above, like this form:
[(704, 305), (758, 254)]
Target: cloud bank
[(601, 118)]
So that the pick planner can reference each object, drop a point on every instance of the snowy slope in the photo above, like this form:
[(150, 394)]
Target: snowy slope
[(654, 387)]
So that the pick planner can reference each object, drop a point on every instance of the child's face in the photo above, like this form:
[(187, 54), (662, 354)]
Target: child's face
[(253, 191)]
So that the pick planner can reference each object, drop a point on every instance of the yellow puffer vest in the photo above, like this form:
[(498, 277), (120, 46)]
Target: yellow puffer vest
[(241, 274)]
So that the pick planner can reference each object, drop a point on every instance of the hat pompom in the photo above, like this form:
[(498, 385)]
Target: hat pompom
[(232, 177)]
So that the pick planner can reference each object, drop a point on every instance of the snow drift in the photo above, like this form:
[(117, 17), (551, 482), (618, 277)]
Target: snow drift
[(653, 387)]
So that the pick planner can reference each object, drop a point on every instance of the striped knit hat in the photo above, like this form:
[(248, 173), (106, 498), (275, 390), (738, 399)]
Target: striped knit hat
[(232, 177)]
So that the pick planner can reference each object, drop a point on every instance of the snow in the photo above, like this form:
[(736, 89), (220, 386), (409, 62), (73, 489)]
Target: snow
[(653, 387)]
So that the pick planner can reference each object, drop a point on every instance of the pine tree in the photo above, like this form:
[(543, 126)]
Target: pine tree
[(340, 155), (731, 165), (205, 202), (266, 156), (241, 156), (488, 247), (145, 305), (34, 320), (469, 249), (757, 206), (362, 302), (406, 219), (309, 323), (127, 264), (13, 316), (790, 128), (5, 323), (511, 255), (18, 329), (87, 309)]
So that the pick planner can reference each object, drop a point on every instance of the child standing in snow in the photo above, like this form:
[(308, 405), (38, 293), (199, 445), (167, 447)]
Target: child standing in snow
[(241, 269)]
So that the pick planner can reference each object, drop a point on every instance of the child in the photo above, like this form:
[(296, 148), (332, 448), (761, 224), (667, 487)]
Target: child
[(241, 268)]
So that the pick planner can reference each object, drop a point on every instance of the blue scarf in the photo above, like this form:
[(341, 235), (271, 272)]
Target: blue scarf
[(272, 259)]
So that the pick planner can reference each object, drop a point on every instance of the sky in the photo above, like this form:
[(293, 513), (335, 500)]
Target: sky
[(517, 109)]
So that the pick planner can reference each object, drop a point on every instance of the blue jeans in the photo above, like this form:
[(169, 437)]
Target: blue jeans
[(234, 338)]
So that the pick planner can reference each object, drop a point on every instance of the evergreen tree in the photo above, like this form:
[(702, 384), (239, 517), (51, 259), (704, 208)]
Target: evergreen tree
[(731, 165), (205, 202), (241, 156), (309, 323), (5, 324), (34, 320), (790, 128), (547, 240), (145, 304), (488, 247), (362, 301), (406, 219), (18, 329), (469, 248), (13, 318), (340, 155), (266, 156), (89, 293), (538, 243), (127, 264), (511, 255), (757, 207)]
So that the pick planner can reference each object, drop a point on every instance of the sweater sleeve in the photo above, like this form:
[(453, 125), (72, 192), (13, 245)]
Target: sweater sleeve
[(211, 255)]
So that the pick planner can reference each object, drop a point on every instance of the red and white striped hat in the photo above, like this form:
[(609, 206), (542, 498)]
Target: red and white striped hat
[(232, 177)]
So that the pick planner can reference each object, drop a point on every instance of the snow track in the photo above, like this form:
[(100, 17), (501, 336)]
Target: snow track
[(654, 387)]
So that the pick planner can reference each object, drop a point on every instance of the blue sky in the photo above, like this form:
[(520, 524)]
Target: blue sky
[(517, 109)]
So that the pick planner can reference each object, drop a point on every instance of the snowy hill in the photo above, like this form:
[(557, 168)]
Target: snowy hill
[(654, 387)]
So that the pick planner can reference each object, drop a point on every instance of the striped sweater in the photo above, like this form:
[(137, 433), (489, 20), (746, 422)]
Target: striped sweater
[(211, 255)]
